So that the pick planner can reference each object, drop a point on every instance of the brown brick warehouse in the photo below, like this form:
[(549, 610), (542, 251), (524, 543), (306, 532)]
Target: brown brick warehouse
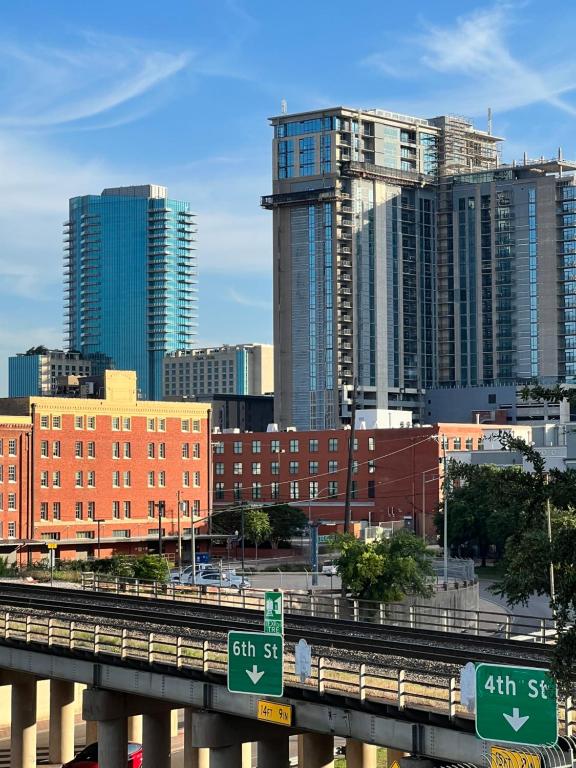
[(397, 472)]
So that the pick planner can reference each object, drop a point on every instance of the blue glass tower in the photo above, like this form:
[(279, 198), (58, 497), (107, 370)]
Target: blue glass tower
[(130, 280)]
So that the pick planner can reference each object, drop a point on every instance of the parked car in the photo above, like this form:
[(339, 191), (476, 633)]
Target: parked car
[(88, 757), (209, 578), (329, 568)]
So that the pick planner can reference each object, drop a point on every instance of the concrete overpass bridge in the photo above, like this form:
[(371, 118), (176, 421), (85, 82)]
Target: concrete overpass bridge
[(139, 664)]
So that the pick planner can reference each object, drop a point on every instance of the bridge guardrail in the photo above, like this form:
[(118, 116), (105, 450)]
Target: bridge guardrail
[(533, 629), (414, 688)]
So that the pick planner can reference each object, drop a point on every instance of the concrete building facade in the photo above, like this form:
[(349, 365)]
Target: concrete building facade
[(40, 371), (232, 369), (92, 473), (130, 280)]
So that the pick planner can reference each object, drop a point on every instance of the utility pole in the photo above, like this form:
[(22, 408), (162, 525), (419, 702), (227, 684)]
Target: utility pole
[(160, 516), (347, 502), (445, 510)]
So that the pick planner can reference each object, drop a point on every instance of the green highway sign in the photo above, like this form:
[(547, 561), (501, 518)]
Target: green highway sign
[(255, 663), (516, 705), (273, 613)]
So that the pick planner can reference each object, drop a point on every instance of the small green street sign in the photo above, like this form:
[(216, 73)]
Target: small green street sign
[(516, 705), (255, 663), (273, 613)]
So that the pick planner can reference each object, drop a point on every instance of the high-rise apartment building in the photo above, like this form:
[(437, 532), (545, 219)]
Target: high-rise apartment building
[(355, 216), (233, 369), (130, 277)]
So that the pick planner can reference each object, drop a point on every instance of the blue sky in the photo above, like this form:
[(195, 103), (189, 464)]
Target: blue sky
[(125, 92)]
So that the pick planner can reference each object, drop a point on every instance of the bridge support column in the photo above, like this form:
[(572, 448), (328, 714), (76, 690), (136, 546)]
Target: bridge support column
[(274, 753), (194, 757), (23, 730), (135, 728), (61, 741), (156, 743), (226, 757), (360, 755), (316, 750), (91, 732), (113, 743)]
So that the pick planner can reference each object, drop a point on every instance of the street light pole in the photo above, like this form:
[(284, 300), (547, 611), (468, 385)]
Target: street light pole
[(193, 547), (98, 534), (445, 512), (179, 536), (242, 533), (160, 516)]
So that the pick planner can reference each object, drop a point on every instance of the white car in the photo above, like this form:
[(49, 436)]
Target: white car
[(225, 579)]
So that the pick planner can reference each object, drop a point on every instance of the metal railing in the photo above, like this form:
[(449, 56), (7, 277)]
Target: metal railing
[(532, 629)]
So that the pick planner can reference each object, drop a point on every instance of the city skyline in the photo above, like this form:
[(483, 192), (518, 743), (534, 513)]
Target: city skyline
[(92, 101)]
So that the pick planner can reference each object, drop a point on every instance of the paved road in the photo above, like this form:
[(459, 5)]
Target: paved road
[(537, 608)]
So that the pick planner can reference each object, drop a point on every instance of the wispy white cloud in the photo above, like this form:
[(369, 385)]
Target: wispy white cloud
[(54, 86), (248, 301), (476, 55)]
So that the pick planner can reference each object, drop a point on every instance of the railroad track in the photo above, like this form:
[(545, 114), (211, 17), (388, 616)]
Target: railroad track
[(338, 635)]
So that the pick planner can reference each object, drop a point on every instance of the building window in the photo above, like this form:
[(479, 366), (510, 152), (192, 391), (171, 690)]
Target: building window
[(218, 447), (56, 479), (185, 450), (150, 425), (127, 509), (237, 447), (275, 446), (355, 467), (313, 445), (151, 481), (237, 491), (371, 489), (371, 444), (12, 473), (371, 466), (256, 446), (91, 479), (116, 423), (127, 450), (275, 490), (161, 425), (294, 489), (79, 513), (256, 468), (151, 509), (44, 479), (161, 450), (91, 449), (293, 467), (332, 466), (56, 510), (44, 449), (79, 479), (127, 479), (91, 422), (196, 425), (294, 446), (313, 487), (313, 467), (56, 422), (196, 450), (457, 443), (219, 468), (12, 526), (126, 424), (115, 479), (333, 444), (469, 444), (78, 422), (11, 447), (43, 510), (333, 488), (274, 467), (115, 450), (162, 479), (1, 447), (237, 468), (91, 512), (185, 425), (78, 449), (56, 448), (151, 450), (196, 477), (256, 491), (219, 491), (116, 510), (44, 422), (186, 479)]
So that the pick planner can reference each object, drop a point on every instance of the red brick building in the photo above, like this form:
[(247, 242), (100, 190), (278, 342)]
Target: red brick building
[(397, 473), (93, 474)]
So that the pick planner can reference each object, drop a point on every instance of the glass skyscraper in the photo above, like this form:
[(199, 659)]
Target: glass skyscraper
[(130, 280)]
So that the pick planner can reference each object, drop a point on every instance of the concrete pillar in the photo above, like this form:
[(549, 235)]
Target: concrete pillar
[(23, 730), (274, 753), (156, 740), (226, 757), (174, 722), (317, 750), (360, 755), (91, 732), (113, 743), (61, 741), (394, 756), (135, 728), (194, 757)]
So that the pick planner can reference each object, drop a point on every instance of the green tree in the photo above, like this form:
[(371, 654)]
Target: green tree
[(151, 568), (385, 570), (287, 522), (257, 526)]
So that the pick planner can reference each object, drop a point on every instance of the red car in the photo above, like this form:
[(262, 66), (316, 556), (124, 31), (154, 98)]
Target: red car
[(88, 757)]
